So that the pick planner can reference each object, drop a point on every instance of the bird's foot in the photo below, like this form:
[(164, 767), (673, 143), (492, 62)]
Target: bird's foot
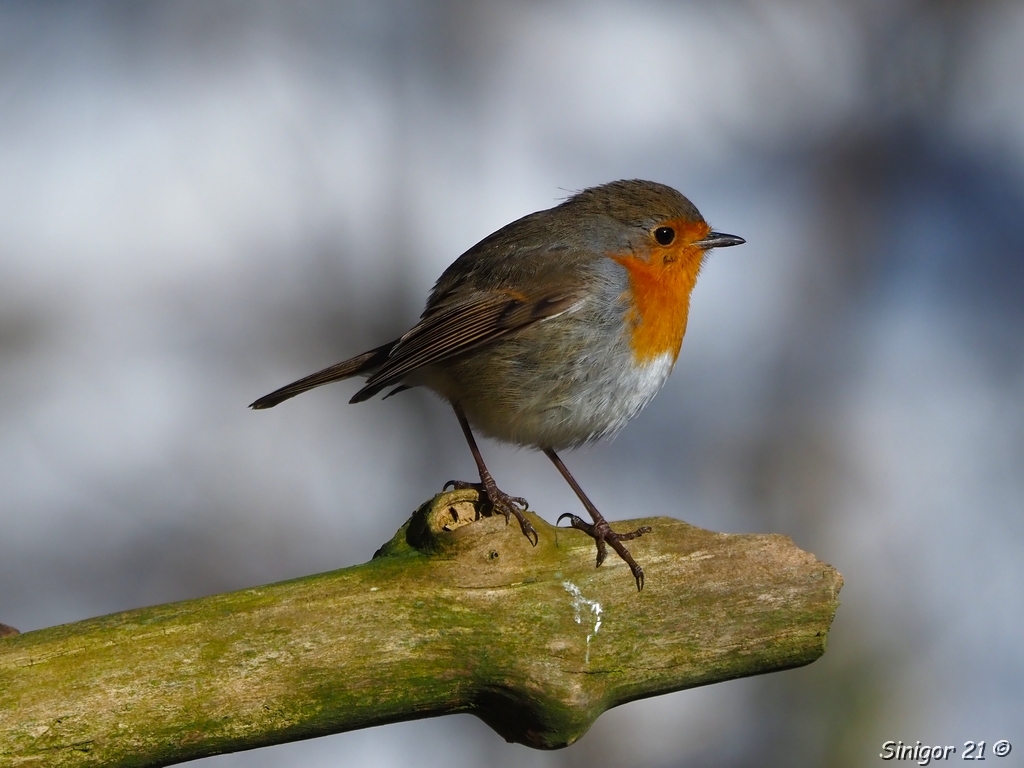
[(501, 502), (603, 535)]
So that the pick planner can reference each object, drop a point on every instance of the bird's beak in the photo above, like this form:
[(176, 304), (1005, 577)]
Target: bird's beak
[(719, 240)]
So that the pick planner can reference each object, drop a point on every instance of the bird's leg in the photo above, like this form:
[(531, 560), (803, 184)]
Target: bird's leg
[(497, 498), (599, 530)]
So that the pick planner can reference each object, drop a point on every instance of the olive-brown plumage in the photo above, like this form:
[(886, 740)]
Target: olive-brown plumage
[(553, 331)]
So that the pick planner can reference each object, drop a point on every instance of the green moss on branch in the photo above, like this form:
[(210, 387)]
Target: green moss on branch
[(457, 613)]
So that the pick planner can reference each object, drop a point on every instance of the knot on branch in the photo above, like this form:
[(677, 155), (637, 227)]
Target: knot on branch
[(440, 525), (478, 549)]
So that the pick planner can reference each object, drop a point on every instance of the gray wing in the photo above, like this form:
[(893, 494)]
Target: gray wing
[(462, 325)]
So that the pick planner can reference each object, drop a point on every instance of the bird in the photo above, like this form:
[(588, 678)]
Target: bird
[(551, 333)]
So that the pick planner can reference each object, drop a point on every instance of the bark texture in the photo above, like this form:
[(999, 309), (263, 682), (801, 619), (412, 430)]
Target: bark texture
[(457, 613)]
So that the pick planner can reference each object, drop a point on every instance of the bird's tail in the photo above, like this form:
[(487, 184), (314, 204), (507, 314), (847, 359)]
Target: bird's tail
[(365, 363)]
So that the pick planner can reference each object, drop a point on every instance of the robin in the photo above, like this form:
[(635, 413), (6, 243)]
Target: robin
[(552, 332)]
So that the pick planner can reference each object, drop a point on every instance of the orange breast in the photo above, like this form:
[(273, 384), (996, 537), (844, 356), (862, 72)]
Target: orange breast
[(659, 292)]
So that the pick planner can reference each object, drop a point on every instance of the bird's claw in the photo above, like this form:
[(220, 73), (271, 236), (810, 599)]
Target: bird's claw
[(603, 535)]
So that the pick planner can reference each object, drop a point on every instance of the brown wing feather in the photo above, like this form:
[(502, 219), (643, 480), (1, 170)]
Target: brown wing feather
[(457, 328)]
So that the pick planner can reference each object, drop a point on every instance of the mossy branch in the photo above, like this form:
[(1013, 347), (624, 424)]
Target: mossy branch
[(458, 613)]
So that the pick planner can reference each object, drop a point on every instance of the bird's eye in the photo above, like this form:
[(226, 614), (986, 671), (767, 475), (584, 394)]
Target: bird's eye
[(664, 235)]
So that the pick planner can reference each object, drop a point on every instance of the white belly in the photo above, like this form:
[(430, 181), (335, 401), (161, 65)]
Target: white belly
[(593, 401)]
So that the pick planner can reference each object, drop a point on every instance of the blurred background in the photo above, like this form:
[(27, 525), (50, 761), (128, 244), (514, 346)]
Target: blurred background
[(200, 202)]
